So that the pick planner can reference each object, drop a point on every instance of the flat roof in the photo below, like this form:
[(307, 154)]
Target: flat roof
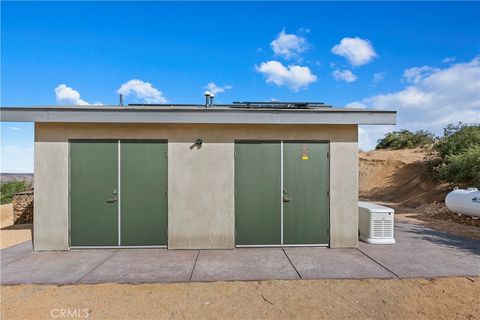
[(196, 114)]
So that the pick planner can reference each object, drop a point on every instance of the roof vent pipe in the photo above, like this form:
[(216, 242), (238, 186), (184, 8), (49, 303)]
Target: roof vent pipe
[(211, 100), (207, 95)]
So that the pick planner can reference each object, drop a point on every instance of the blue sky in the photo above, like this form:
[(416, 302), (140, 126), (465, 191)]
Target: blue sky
[(421, 59)]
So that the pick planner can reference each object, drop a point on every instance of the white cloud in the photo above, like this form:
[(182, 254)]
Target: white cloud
[(67, 95), (357, 51), (377, 77), (289, 46), (292, 76), (364, 137), (16, 129), (433, 98), (368, 136), (356, 105), (11, 149), (16, 158), (213, 88), (449, 59), (417, 74), (142, 90), (344, 75)]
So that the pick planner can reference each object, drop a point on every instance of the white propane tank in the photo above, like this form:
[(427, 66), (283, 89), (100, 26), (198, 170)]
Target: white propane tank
[(464, 201)]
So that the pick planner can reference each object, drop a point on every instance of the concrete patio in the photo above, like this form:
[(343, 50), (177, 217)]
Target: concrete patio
[(419, 252)]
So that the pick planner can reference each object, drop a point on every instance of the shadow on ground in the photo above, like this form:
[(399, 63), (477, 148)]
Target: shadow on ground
[(24, 226), (444, 239)]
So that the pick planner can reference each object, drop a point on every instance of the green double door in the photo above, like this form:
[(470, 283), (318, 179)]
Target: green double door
[(118, 193), (281, 193)]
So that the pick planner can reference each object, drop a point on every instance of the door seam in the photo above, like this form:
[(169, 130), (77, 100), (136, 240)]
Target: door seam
[(119, 224), (281, 192)]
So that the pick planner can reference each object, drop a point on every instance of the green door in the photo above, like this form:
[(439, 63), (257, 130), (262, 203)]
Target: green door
[(257, 193), (93, 188), (143, 198), (305, 193)]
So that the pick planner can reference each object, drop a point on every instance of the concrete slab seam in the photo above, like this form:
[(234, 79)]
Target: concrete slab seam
[(19, 258), (194, 265), (294, 268), (98, 265), (381, 265)]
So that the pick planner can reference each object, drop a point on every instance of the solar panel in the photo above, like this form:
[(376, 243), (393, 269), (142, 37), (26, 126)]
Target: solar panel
[(279, 105)]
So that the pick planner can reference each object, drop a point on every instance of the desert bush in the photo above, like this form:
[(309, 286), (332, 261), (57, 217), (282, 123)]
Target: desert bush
[(456, 156), (7, 190), (457, 139), (405, 139), (463, 167)]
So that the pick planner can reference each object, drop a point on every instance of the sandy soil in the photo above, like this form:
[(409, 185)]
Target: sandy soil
[(405, 156), (443, 298), (399, 176), (10, 234)]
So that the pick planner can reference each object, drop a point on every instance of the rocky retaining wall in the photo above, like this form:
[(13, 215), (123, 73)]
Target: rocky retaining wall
[(22, 204)]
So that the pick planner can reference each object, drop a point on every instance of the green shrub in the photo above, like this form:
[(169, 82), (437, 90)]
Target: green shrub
[(456, 156), (457, 139), (463, 167), (9, 188), (405, 139)]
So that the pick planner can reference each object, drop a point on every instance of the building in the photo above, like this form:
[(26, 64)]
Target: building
[(196, 177)]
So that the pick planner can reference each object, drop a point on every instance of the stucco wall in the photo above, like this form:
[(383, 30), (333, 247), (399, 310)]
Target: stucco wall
[(50, 205), (201, 181), (200, 188)]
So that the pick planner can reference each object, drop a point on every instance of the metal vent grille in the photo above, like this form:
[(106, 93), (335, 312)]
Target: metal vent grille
[(388, 228), (382, 228), (377, 228)]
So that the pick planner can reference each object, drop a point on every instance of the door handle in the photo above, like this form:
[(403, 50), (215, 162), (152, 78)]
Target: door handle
[(286, 199), (112, 200), (115, 198)]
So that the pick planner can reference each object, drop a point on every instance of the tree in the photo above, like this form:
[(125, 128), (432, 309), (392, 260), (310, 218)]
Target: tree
[(405, 139), (9, 188), (456, 156)]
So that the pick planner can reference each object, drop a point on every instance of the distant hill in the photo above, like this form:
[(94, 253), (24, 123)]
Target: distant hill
[(6, 177)]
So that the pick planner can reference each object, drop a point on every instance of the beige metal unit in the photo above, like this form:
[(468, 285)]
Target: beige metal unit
[(375, 223)]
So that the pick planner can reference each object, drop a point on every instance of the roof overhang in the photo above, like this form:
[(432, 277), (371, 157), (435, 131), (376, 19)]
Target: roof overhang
[(196, 115)]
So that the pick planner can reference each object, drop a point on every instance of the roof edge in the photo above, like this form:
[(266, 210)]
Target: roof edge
[(211, 115)]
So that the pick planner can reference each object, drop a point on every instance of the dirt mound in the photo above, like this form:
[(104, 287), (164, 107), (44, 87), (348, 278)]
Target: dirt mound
[(399, 176), (439, 211)]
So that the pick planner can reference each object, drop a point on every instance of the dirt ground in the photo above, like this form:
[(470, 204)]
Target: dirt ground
[(442, 298), (399, 176), (11, 234)]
